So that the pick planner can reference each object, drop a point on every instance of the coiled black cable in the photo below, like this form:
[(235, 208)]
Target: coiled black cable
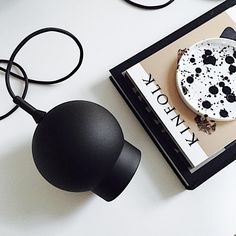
[(24, 76), (149, 7)]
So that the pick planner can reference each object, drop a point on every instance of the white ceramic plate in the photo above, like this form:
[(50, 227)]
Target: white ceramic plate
[(206, 78)]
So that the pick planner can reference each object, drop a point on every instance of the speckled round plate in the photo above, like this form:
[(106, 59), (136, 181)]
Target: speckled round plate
[(206, 78)]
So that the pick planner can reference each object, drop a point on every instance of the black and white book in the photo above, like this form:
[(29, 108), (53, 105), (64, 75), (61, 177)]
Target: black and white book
[(196, 147)]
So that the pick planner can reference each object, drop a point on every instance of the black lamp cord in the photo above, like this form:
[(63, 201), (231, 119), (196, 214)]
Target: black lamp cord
[(36, 114), (149, 7), (19, 101)]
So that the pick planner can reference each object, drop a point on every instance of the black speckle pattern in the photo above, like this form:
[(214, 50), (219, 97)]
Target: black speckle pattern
[(232, 69), (206, 78), (192, 60), (206, 104), (190, 79), (229, 60), (213, 90), (208, 58), (224, 113)]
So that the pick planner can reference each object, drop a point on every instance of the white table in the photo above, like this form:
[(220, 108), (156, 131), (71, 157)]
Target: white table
[(155, 202)]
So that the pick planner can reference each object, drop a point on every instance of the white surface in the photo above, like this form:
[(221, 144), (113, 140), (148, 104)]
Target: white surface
[(155, 202)]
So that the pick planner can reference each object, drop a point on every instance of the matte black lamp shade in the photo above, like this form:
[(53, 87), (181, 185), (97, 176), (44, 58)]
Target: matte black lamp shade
[(79, 146)]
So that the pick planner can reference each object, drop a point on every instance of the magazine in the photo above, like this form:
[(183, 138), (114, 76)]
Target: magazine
[(169, 121), (199, 138)]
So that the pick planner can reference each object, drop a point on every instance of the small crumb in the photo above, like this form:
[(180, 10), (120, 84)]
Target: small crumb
[(205, 125)]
